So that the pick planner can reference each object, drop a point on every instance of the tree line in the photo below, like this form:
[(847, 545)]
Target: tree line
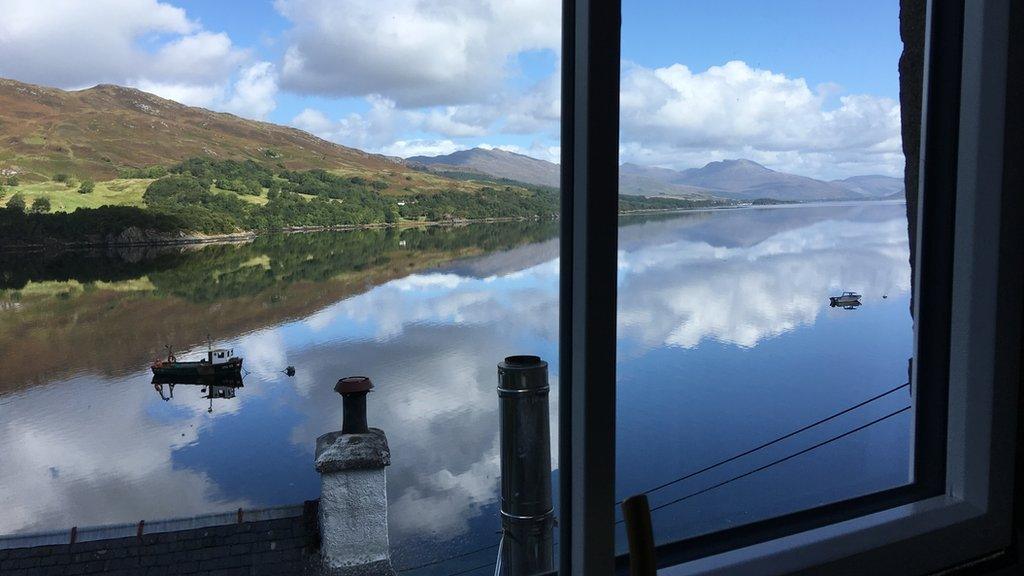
[(206, 196)]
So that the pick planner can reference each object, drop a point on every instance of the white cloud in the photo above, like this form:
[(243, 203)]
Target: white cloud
[(675, 117), (414, 52), (70, 43), (201, 56), (458, 121), (254, 94), (184, 92), (143, 43), (382, 124), (386, 128), (536, 110), (314, 121), (407, 148), (671, 117), (380, 131)]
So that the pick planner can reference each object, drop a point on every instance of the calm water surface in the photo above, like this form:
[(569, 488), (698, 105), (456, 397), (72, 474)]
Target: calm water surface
[(726, 341)]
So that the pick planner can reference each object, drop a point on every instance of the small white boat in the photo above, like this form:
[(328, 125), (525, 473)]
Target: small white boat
[(845, 299)]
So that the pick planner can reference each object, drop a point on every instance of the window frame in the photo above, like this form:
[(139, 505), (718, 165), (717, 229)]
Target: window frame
[(587, 285), (959, 506)]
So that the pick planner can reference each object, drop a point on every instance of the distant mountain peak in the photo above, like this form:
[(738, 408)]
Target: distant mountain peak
[(497, 151), (494, 162), (873, 185), (744, 179), (734, 164), (110, 88), (487, 153)]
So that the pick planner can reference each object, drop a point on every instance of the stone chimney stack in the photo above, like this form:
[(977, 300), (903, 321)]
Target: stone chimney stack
[(353, 498)]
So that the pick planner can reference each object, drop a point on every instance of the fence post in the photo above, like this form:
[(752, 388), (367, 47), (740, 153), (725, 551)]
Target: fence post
[(640, 535), (527, 517)]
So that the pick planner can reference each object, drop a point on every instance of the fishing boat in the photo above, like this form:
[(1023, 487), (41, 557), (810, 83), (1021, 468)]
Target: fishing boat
[(220, 362), (845, 299)]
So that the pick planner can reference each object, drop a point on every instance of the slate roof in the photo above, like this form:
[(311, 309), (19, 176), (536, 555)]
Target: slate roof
[(280, 546)]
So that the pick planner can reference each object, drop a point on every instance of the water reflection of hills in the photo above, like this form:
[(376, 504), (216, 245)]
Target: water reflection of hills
[(236, 267), (743, 227), (84, 266), (431, 341), (734, 228), (109, 312)]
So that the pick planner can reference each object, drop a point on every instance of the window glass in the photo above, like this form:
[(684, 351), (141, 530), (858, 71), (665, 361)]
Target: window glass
[(212, 212), (765, 333)]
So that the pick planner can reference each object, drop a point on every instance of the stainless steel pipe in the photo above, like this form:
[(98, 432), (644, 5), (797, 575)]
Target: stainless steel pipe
[(527, 516)]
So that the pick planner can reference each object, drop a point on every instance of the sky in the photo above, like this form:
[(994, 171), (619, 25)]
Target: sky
[(803, 86)]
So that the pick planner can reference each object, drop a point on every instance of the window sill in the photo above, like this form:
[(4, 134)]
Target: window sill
[(867, 544)]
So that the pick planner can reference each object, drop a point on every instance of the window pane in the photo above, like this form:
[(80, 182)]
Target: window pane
[(351, 190), (764, 327)]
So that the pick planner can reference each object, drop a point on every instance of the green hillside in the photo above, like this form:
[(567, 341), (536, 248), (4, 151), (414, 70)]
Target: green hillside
[(113, 165)]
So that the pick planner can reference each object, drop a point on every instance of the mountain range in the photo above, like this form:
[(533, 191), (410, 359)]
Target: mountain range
[(97, 132), (739, 179)]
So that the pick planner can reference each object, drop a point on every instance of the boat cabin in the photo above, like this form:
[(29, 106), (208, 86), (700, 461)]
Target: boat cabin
[(220, 355)]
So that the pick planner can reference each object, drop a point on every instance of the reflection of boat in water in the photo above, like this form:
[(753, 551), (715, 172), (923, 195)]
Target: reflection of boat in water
[(846, 299), (214, 386), (219, 362)]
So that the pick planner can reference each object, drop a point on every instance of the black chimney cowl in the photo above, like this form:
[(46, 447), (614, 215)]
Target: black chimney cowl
[(353, 390)]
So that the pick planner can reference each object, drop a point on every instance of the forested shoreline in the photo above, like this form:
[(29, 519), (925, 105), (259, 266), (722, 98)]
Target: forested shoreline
[(201, 199)]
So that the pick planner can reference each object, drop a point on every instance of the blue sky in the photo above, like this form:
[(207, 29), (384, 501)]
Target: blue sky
[(854, 44), (805, 86)]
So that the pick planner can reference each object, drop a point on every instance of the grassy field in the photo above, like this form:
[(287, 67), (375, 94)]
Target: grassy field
[(258, 200), (109, 193), (65, 199), (128, 192)]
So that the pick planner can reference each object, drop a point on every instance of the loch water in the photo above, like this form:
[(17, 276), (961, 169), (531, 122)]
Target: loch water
[(726, 342)]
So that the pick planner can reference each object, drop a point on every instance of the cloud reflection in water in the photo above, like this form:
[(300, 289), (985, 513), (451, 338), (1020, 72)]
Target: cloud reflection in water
[(431, 342)]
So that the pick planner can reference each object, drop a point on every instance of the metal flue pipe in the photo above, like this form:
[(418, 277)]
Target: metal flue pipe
[(527, 516), (353, 390)]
